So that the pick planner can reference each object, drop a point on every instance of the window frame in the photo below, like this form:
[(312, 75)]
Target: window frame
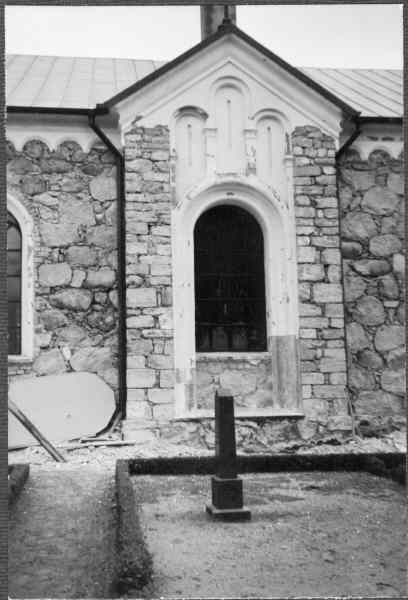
[(25, 222)]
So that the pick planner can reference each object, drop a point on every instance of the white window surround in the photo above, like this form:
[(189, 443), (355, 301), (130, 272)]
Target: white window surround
[(278, 226), (25, 222)]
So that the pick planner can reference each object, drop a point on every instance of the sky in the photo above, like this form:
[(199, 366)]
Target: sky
[(358, 36)]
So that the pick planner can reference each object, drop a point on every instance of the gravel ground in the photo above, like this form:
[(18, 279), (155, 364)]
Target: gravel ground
[(107, 455), (311, 534), (62, 534)]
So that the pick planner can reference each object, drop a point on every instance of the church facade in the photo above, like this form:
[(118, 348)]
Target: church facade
[(225, 221)]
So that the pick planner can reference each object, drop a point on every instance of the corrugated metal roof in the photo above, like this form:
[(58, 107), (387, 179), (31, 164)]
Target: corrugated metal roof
[(71, 82)]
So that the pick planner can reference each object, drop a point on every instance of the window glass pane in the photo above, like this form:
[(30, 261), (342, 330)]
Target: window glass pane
[(13, 262), (229, 281), (14, 285)]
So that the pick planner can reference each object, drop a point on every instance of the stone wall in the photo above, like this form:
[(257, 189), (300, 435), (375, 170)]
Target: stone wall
[(372, 209), (71, 196), (322, 346), (150, 364), (249, 379)]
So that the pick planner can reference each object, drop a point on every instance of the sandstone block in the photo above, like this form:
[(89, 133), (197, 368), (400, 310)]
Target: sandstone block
[(72, 299), (329, 391), (315, 378), (160, 396), (160, 361), (332, 365), (163, 412), (140, 322), (141, 297), (334, 273), (314, 322), (306, 254), (141, 378), (310, 272), (338, 378), (138, 409), (49, 362), (325, 241), (167, 378), (327, 292), (51, 275), (309, 310), (331, 256)]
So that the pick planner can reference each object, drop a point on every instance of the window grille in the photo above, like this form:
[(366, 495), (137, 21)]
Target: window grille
[(229, 282), (14, 285)]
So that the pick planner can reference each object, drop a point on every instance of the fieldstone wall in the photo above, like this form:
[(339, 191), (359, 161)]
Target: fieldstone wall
[(248, 378), (71, 196), (372, 208), (322, 345), (150, 363)]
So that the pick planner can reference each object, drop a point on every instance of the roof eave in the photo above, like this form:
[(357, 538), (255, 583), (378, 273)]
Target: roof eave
[(224, 29), (57, 110)]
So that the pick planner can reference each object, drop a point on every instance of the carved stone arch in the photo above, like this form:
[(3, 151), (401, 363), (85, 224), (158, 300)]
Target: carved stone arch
[(280, 280), (187, 141), (233, 82), (25, 222)]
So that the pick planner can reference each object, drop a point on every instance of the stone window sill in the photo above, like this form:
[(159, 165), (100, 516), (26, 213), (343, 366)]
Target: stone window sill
[(196, 415), (19, 360), (205, 356)]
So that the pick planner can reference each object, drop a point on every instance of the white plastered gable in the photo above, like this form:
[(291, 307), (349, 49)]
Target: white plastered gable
[(230, 113)]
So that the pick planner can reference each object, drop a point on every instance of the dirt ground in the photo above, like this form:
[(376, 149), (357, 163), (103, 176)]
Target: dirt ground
[(61, 539), (311, 534), (61, 534)]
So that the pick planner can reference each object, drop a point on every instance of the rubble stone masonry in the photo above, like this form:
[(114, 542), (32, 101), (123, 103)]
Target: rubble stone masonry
[(372, 207), (71, 197)]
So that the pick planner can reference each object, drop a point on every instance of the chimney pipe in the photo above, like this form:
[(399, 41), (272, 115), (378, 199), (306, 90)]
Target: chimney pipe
[(212, 16)]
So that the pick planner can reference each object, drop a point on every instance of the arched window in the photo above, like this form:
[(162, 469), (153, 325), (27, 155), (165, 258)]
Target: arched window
[(14, 263), (229, 281)]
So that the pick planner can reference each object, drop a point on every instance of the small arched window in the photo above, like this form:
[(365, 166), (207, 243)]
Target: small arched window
[(229, 281), (14, 264)]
